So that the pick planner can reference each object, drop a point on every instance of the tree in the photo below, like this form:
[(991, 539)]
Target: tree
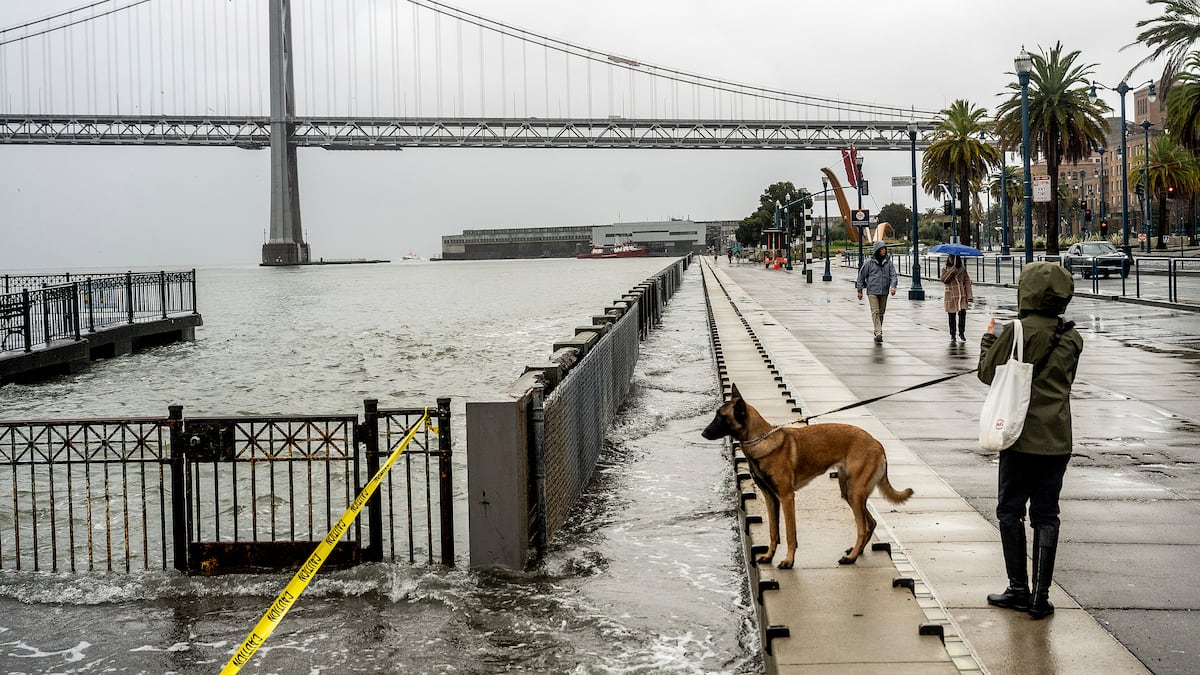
[(900, 217), (1173, 169), (1183, 105), (957, 154), (749, 233), (1064, 126), (1172, 35), (1013, 191)]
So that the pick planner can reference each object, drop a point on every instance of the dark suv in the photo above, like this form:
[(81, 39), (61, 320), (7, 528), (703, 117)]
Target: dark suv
[(1101, 256)]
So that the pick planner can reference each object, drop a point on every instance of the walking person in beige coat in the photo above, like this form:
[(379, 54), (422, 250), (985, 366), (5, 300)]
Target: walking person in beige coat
[(959, 294)]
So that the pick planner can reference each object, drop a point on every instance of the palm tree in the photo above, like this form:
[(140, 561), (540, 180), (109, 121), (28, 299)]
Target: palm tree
[(1064, 126), (1183, 105), (1173, 171), (1012, 190), (958, 155), (1172, 35)]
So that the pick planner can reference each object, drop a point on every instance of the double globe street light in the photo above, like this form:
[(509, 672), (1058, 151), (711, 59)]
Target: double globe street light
[(1123, 88)]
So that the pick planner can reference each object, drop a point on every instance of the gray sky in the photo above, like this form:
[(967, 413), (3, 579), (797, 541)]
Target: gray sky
[(74, 208)]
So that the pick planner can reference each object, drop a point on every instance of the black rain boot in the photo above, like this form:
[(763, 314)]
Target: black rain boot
[(951, 315), (1016, 596), (1045, 545)]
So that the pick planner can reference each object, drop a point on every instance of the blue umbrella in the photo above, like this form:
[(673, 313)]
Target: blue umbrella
[(956, 249)]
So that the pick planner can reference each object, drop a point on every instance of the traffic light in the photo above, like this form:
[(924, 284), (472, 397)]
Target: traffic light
[(1087, 215), (1170, 192), (947, 207), (1082, 203), (1137, 189), (866, 187), (1104, 229)]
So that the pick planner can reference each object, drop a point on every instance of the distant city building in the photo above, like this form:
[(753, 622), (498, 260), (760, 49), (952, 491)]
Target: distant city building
[(662, 238)]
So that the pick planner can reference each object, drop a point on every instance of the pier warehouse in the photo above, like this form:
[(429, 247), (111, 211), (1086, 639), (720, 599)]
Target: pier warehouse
[(663, 238)]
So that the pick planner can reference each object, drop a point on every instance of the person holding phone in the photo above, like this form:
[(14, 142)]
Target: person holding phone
[(1032, 469)]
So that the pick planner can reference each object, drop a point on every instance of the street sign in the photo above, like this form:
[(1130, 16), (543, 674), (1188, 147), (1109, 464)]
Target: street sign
[(860, 217), (902, 181), (1041, 189)]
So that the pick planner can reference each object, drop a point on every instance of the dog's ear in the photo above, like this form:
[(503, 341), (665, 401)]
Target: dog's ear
[(739, 410), (736, 393)]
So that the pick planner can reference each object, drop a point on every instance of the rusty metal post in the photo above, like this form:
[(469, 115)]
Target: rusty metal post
[(179, 499), (369, 436), (446, 481)]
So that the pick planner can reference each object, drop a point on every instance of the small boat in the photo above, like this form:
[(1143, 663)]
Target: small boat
[(410, 256), (625, 250)]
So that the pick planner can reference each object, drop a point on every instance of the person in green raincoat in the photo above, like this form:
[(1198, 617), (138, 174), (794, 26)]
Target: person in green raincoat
[(1032, 469)]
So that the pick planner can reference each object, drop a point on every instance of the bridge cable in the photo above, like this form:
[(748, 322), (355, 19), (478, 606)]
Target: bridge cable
[(632, 65)]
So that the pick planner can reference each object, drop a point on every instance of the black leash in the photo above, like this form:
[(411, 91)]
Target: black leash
[(804, 420)]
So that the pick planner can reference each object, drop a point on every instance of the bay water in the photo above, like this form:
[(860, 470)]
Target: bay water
[(646, 578)]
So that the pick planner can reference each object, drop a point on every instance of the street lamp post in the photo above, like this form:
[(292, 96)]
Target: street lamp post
[(1024, 64), (915, 292), (825, 189), (1004, 248), (1123, 88), (1146, 183), (1082, 206), (787, 227), (858, 162)]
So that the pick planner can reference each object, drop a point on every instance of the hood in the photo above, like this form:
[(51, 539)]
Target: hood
[(876, 246), (1044, 288)]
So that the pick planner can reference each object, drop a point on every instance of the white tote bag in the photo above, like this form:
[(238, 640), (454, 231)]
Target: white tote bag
[(1003, 415)]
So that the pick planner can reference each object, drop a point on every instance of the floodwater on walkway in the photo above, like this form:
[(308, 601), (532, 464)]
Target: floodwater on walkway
[(647, 577)]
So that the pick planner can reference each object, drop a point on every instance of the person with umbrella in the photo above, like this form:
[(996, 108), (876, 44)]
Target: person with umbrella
[(959, 292)]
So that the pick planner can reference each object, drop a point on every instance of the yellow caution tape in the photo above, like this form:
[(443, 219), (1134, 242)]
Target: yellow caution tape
[(286, 598)]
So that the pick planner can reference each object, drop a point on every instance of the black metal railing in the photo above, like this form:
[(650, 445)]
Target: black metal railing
[(38, 310), (211, 495)]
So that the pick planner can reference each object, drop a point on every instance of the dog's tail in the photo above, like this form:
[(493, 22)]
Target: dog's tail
[(890, 493)]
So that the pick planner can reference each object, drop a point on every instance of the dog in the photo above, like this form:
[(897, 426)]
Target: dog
[(784, 459)]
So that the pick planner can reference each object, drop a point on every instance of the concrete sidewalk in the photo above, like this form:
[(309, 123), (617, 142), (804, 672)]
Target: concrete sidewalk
[(782, 339)]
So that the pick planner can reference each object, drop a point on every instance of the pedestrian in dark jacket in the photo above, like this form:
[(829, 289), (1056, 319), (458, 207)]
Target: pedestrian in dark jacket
[(958, 294), (878, 278), (1032, 469)]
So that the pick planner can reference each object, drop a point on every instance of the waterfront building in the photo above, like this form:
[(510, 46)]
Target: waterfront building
[(672, 237)]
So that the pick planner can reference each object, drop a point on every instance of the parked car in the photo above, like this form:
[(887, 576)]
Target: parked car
[(1100, 256)]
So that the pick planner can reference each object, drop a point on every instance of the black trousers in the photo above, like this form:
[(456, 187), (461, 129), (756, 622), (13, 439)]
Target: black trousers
[(1033, 479), (962, 322)]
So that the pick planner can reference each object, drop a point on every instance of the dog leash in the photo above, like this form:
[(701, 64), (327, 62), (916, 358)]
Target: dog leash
[(806, 418)]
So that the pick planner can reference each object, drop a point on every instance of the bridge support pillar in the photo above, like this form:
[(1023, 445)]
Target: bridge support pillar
[(286, 245)]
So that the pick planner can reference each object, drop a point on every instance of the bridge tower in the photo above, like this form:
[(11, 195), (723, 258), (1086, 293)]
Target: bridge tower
[(286, 245)]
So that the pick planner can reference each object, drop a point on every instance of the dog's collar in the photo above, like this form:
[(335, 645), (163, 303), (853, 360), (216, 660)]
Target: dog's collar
[(760, 439)]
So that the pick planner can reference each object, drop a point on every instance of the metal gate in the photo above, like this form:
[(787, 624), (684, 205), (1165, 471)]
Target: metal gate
[(211, 495)]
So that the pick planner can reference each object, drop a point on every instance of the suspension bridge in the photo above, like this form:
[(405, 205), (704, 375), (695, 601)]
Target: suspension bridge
[(359, 75)]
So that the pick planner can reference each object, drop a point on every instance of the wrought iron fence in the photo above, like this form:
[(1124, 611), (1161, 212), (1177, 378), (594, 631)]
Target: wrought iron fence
[(38, 310), (214, 495)]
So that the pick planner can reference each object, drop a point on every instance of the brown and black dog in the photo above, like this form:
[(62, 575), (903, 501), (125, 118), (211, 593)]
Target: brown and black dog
[(784, 459)]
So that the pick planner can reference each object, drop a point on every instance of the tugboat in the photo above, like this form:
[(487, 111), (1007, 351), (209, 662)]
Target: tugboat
[(625, 250)]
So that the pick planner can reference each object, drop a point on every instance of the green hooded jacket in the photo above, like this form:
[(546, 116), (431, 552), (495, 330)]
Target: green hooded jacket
[(1043, 292)]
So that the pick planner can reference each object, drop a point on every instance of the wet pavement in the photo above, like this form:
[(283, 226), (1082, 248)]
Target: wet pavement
[(1131, 500)]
